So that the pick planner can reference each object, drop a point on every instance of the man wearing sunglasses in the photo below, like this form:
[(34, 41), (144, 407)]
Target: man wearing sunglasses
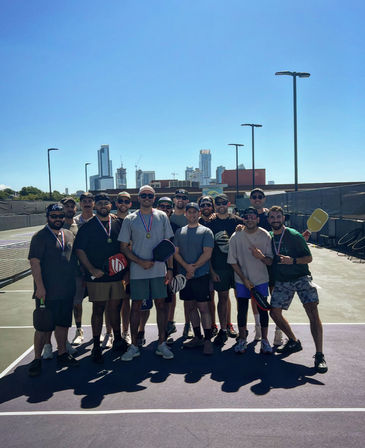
[(223, 226), (54, 282), (145, 229), (181, 199)]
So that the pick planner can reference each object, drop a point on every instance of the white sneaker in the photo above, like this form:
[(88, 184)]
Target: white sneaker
[(126, 336), (79, 337), (265, 347), (107, 341), (241, 346), (47, 352), (278, 338), (131, 353), (70, 350), (258, 334), (164, 351)]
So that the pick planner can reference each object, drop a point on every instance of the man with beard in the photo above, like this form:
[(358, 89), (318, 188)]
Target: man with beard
[(96, 242), (87, 204), (223, 227), (54, 283), (291, 275)]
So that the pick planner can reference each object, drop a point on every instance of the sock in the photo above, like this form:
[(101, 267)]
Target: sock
[(197, 332), (117, 335), (207, 334), (78, 324), (96, 341)]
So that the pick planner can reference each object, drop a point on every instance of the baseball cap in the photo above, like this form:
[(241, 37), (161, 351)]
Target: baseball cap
[(181, 191), (192, 205), (164, 199), (124, 193), (250, 211), (56, 207), (86, 195), (102, 197), (146, 188), (257, 190), (68, 199), (203, 199), (221, 196)]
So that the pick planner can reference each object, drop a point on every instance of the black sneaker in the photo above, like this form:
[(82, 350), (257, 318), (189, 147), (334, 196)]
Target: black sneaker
[(320, 363), (214, 330), (232, 333), (67, 360), (35, 368), (97, 356), (120, 345), (290, 347), (221, 338), (171, 327)]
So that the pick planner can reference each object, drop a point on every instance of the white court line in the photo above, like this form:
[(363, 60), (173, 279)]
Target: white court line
[(185, 411), (17, 291), (14, 363)]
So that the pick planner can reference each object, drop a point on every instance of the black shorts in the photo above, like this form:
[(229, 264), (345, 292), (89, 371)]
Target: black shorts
[(226, 280), (61, 311), (196, 289)]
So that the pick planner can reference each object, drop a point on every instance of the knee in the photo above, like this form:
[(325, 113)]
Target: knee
[(275, 313)]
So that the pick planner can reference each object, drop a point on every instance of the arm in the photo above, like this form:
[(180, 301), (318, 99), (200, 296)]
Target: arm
[(285, 259), (260, 256), (97, 273), (35, 265), (145, 264), (215, 277), (204, 257), (238, 271)]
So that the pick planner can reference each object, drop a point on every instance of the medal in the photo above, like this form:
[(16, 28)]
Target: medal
[(148, 235), (109, 240), (147, 227), (277, 248)]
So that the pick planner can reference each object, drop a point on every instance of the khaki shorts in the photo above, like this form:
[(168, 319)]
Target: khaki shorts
[(104, 291)]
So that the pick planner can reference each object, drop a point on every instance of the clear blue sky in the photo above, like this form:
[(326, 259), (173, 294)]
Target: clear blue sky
[(158, 80)]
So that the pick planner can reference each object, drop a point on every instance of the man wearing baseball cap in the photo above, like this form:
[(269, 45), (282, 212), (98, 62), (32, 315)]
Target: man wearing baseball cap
[(181, 198)]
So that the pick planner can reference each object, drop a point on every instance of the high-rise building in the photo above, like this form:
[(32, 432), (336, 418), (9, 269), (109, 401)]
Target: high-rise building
[(121, 178), (188, 171), (205, 160), (104, 179), (218, 173), (144, 177)]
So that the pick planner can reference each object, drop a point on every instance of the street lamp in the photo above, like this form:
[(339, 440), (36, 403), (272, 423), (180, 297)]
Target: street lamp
[(86, 164), (253, 149), (49, 171), (236, 145), (294, 76)]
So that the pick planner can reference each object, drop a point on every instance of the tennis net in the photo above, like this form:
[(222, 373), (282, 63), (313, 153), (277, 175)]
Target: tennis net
[(14, 261)]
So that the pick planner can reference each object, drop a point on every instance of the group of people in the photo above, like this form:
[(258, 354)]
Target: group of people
[(109, 258)]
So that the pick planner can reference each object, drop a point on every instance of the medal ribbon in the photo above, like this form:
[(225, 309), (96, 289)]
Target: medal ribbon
[(147, 227), (103, 227), (277, 249), (60, 242)]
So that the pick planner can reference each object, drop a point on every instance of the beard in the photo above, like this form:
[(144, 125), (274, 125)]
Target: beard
[(103, 212), (55, 225), (276, 225)]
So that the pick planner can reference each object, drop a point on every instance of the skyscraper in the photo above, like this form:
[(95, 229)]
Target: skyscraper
[(144, 177), (104, 179), (219, 172), (121, 178), (205, 160)]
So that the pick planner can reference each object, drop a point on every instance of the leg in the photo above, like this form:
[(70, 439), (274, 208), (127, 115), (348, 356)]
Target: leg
[(223, 309), (97, 321), (108, 326), (134, 319), (315, 324), (206, 318), (126, 311), (242, 309), (61, 338), (40, 338), (113, 310), (172, 309), (161, 319), (277, 316)]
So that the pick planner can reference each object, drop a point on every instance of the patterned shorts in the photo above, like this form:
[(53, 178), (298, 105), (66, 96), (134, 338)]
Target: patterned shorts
[(283, 292)]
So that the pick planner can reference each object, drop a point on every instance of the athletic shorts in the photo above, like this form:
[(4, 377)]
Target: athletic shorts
[(226, 280), (283, 292), (61, 311), (80, 293), (244, 293), (148, 288), (104, 291), (196, 289)]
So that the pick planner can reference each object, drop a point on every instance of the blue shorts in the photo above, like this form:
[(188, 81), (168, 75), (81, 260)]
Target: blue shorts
[(245, 293)]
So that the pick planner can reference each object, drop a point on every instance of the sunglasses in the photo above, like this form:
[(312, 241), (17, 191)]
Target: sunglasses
[(206, 204), (124, 201), (257, 196), (250, 217), (52, 216), (165, 207), (184, 198), (221, 203), (147, 195)]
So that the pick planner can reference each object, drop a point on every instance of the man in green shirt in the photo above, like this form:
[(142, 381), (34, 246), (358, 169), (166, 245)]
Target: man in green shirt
[(291, 274)]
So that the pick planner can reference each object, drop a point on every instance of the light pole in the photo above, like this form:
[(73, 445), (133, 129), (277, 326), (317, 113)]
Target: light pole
[(236, 145), (49, 171), (86, 164), (253, 149), (294, 76)]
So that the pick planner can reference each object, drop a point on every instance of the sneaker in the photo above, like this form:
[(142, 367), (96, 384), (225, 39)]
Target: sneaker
[(131, 353), (107, 341), (47, 352), (214, 330), (232, 333), (290, 347), (278, 337), (169, 341), (67, 360), (194, 343), (79, 337), (127, 337), (187, 333), (171, 327), (265, 347), (241, 346), (320, 363), (120, 345), (141, 340), (258, 334), (70, 350), (208, 347), (35, 367), (221, 337), (164, 351), (97, 356)]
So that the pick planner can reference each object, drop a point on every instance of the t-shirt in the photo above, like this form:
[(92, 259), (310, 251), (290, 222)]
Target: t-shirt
[(73, 227), (239, 253), (134, 230), (79, 220), (222, 230), (179, 220), (293, 245), (191, 241), (264, 223), (92, 239), (58, 270)]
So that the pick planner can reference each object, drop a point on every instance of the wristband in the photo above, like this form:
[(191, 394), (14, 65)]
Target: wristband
[(170, 269)]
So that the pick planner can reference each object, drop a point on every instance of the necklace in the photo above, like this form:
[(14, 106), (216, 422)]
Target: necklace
[(109, 240), (148, 226)]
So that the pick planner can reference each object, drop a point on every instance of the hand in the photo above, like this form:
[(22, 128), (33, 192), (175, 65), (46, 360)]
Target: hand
[(248, 284), (145, 264), (285, 259), (97, 273), (257, 253), (239, 227), (189, 275), (40, 293), (168, 277), (215, 277), (306, 234), (190, 269)]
